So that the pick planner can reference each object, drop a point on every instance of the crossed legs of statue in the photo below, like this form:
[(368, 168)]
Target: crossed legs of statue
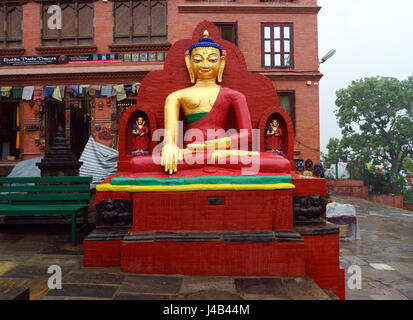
[(260, 163)]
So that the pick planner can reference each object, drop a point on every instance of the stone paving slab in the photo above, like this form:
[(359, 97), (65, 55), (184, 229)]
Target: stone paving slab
[(31, 271), (84, 291), (151, 284), (88, 277), (139, 296), (192, 284), (38, 288)]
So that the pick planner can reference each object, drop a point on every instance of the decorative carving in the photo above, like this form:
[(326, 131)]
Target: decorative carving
[(114, 213), (139, 47), (309, 209), (12, 51), (66, 50)]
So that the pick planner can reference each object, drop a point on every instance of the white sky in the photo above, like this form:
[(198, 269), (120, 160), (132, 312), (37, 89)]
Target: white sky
[(372, 38)]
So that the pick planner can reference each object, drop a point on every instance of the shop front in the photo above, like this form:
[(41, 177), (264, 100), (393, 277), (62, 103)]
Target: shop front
[(29, 123)]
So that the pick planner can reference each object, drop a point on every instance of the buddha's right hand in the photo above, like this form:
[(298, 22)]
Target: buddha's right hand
[(171, 154)]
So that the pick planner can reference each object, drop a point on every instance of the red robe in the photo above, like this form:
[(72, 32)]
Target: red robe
[(141, 142), (274, 141)]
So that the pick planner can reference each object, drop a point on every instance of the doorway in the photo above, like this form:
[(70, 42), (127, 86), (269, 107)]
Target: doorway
[(8, 130), (79, 125), (78, 118)]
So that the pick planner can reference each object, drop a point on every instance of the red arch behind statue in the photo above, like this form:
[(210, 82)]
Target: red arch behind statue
[(259, 91)]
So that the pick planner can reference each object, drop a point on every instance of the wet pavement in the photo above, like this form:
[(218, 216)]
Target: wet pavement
[(384, 255)]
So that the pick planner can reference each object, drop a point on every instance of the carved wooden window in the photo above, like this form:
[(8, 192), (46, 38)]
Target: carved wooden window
[(277, 45), (77, 23), (10, 25), (229, 31), (140, 21)]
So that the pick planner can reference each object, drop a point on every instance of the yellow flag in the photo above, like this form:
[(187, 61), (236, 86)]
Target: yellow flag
[(56, 94), (18, 140), (17, 117)]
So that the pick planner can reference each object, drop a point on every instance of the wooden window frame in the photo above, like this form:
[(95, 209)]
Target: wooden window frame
[(291, 95), (59, 37), (131, 35), (5, 41), (234, 26), (282, 39)]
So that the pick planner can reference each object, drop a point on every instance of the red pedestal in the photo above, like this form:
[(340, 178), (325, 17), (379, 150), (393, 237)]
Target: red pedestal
[(213, 210), (216, 258), (169, 230)]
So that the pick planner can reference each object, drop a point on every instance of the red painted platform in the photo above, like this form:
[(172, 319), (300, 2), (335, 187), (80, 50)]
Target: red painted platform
[(214, 258), (196, 210)]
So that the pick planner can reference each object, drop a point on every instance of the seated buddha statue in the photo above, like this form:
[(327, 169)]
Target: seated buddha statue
[(206, 106)]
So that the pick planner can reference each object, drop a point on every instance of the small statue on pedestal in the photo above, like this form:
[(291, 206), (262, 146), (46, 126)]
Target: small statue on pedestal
[(319, 170), (273, 139), (308, 168), (299, 165), (141, 138)]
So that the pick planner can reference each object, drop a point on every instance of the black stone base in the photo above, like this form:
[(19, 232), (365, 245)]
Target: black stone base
[(226, 236), (316, 229)]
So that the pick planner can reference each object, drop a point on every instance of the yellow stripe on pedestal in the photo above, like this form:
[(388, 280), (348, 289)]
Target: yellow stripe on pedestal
[(194, 187)]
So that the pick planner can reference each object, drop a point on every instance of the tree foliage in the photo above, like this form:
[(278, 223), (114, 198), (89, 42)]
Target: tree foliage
[(375, 115)]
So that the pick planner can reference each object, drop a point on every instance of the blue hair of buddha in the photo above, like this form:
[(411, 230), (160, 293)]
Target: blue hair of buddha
[(205, 42)]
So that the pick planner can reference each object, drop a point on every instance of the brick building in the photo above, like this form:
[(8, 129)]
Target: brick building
[(50, 76)]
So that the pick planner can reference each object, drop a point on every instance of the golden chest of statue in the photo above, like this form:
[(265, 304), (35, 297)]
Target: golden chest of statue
[(198, 99)]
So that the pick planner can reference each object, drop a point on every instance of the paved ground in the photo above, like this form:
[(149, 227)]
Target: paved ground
[(26, 252), (386, 238)]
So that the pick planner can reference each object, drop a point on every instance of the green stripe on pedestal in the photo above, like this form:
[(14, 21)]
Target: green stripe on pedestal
[(179, 181)]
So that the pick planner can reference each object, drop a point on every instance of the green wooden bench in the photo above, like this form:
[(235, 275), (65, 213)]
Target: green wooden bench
[(46, 196)]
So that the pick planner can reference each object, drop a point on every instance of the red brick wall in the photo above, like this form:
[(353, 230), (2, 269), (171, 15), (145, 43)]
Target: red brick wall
[(388, 200), (31, 27), (249, 30), (354, 188), (322, 262), (307, 129)]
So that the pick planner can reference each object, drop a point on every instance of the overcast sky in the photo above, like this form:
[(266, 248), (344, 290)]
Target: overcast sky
[(372, 38)]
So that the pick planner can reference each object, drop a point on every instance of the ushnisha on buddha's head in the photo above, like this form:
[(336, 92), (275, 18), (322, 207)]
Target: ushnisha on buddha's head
[(205, 60)]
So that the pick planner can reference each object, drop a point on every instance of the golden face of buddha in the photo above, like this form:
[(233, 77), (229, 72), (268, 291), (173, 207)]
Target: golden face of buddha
[(139, 121), (205, 64), (274, 123)]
